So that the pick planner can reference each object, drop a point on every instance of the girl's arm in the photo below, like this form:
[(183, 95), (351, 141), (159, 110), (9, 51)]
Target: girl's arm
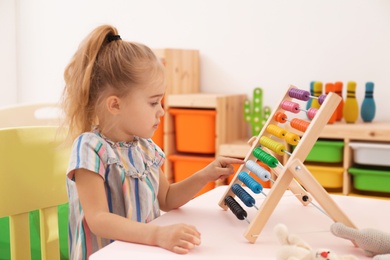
[(179, 238), (174, 195)]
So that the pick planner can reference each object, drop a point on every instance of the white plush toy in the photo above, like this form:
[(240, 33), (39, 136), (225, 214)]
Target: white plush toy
[(295, 248), (375, 243)]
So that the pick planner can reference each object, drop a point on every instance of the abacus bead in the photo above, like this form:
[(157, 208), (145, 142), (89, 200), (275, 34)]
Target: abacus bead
[(280, 117), (321, 99), (265, 157), (244, 196), (292, 138), (299, 94), (235, 208), (258, 170), (250, 182), (272, 145), (276, 130), (299, 124), (312, 112), (290, 106)]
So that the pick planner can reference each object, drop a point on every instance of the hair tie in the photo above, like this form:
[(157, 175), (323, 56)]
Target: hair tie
[(111, 38)]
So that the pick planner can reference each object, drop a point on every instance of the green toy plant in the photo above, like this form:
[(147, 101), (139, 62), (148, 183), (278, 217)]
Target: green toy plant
[(254, 112)]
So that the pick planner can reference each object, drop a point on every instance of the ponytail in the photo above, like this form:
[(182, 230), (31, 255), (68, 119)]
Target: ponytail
[(102, 63)]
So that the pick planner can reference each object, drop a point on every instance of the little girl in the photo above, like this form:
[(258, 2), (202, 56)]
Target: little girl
[(112, 103)]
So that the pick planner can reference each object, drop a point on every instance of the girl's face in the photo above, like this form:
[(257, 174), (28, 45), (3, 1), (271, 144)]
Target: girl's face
[(139, 112)]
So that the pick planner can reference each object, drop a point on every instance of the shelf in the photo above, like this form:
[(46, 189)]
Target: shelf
[(237, 148), (375, 131), (369, 132), (199, 100)]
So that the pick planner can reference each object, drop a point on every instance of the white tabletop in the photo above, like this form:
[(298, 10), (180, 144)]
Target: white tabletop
[(222, 232)]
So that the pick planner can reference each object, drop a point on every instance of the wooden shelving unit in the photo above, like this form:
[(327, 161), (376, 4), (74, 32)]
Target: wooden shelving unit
[(367, 132), (228, 122)]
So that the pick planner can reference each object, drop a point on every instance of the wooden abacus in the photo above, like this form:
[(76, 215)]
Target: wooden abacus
[(293, 175)]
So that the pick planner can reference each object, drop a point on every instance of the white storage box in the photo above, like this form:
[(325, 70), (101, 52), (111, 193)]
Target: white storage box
[(371, 153)]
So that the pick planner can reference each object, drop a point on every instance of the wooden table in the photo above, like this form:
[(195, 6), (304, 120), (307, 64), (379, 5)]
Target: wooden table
[(222, 232)]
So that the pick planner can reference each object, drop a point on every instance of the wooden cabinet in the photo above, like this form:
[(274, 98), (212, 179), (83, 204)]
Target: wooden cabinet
[(182, 68), (228, 120)]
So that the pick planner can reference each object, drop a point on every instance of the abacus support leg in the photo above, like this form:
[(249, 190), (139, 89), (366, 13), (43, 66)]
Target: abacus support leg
[(297, 190), (303, 175), (267, 207)]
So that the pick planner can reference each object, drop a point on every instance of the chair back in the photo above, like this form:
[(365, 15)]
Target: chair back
[(30, 114), (33, 165)]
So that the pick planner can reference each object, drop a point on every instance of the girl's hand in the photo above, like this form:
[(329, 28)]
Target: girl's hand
[(220, 168), (178, 238)]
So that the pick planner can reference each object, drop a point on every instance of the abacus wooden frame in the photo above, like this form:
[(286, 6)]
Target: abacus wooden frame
[(294, 173)]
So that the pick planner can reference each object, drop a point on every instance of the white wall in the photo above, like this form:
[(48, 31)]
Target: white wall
[(243, 43), (8, 78)]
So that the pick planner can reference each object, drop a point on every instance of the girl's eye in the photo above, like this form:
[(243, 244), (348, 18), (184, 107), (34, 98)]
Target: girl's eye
[(155, 103)]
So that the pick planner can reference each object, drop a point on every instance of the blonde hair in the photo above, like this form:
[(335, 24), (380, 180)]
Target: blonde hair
[(103, 65)]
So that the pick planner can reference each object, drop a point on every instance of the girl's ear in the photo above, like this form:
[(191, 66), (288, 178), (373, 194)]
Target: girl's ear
[(113, 104)]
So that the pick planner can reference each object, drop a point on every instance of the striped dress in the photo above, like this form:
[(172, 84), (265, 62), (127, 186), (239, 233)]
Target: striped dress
[(131, 177)]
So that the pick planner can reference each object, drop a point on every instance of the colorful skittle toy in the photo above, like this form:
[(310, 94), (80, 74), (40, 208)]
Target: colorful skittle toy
[(339, 91), (308, 103), (329, 87), (368, 106), (317, 91), (351, 106)]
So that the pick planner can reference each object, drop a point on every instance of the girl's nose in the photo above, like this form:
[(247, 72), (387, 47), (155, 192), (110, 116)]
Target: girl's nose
[(162, 111)]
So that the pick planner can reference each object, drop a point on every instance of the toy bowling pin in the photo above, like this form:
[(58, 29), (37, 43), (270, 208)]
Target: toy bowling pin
[(368, 106), (317, 91), (329, 87), (308, 103), (351, 106), (339, 91)]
